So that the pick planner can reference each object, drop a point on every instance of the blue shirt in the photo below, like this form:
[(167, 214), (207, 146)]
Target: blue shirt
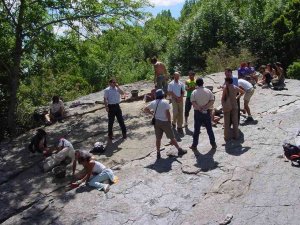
[(112, 95)]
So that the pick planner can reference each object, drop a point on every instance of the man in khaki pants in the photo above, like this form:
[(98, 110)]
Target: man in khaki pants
[(176, 91)]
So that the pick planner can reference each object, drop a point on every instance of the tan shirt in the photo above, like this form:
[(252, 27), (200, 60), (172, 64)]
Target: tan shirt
[(202, 96)]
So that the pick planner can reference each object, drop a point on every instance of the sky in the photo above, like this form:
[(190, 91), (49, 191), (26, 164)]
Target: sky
[(174, 6)]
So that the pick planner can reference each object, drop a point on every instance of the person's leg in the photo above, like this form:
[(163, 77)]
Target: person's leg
[(159, 82), (210, 132), (235, 124), (97, 180), (158, 128), (121, 120), (187, 109), (180, 115), (111, 120), (197, 126), (239, 107), (227, 121), (246, 107), (175, 112)]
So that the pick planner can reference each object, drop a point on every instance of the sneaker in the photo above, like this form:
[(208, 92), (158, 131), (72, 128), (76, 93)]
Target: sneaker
[(106, 188), (181, 151), (158, 156), (193, 147), (214, 146)]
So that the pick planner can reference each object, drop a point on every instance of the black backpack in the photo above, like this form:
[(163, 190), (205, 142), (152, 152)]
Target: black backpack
[(292, 152)]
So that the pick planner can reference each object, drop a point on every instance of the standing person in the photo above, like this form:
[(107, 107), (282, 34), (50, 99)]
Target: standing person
[(202, 99), (190, 85), (160, 108), (176, 91), (249, 91), (230, 110), (160, 74), (112, 96)]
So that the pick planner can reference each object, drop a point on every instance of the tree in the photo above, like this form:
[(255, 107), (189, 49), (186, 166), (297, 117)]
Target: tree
[(30, 21)]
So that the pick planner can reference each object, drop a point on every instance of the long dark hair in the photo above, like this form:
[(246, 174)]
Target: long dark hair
[(84, 156)]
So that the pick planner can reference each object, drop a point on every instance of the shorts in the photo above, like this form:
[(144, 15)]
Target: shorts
[(163, 126), (248, 94)]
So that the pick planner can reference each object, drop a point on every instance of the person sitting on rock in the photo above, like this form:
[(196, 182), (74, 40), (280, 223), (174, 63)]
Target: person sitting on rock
[(243, 71), (95, 173), (65, 153), (39, 142), (56, 111), (278, 78), (266, 76)]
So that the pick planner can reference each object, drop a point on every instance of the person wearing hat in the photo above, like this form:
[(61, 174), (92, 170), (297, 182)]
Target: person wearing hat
[(202, 99), (112, 96), (160, 109)]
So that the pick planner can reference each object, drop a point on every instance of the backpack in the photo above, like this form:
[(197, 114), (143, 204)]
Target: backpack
[(98, 148), (292, 153)]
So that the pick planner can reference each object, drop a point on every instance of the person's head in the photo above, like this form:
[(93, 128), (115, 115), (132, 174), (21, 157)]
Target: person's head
[(176, 76), (84, 157), (278, 64), (228, 80), (228, 72), (191, 75), (153, 60), (41, 133), (55, 99), (262, 68), (112, 82), (243, 65), (159, 94), (199, 82), (269, 67)]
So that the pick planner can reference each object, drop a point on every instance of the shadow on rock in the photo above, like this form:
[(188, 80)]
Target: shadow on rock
[(188, 131), (163, 165), (234, 147), (113, 147), (245, 123), (206, 161)]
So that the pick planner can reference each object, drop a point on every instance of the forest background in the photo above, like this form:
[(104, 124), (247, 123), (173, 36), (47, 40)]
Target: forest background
[(117, 38)]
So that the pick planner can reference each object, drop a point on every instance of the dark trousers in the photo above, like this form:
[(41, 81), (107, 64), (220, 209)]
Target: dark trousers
[(199, 119), (115, 111), (188, 106)]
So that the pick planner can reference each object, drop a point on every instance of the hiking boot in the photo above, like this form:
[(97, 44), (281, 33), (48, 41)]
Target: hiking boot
[(106, 188), (214, 146), (181, 151), (194, 148)]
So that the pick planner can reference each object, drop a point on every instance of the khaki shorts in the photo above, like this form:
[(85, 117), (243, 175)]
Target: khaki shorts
[(163, 126), (248, 95)]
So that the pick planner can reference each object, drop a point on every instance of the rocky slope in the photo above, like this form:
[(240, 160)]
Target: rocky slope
[(247, 178)]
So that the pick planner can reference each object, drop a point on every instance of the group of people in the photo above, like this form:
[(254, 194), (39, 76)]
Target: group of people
[(198, 97)]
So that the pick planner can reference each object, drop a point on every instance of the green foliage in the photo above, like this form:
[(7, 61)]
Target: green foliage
[(293, 71), (217, 59)]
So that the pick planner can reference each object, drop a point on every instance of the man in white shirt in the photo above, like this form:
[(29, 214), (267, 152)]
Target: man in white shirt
[(112, 98), (202, 99), (160, 109), (176, 91), (64, 150), (249, 91)]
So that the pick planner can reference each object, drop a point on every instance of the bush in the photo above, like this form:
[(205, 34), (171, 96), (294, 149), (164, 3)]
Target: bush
[(217, 59), (293, 71)]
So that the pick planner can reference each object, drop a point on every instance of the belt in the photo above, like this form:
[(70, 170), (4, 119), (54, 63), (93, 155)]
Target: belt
[(113, 104)]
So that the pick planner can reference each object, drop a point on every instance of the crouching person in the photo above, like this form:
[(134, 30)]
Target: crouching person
[(65, 151), (39, 142), (95, 173)]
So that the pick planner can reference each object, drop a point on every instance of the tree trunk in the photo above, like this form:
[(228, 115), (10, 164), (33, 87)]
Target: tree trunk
[(16, 72)]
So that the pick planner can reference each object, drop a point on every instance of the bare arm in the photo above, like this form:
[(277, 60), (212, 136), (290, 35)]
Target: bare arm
[(241, 92), (119, 89), (88, 173)]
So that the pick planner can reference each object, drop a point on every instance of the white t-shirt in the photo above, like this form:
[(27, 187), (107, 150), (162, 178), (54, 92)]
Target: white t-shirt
[(245, 84), (202, 96), (65, 143), (163, 106), (112, 95), (55, 107), (176, 88)]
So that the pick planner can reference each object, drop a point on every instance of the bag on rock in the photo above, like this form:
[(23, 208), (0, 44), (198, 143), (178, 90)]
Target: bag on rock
[(292, 153)]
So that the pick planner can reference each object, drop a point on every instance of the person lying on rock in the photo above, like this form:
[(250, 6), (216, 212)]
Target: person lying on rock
[(95, 175), (56, 111), (39, 142), (65, 154)]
